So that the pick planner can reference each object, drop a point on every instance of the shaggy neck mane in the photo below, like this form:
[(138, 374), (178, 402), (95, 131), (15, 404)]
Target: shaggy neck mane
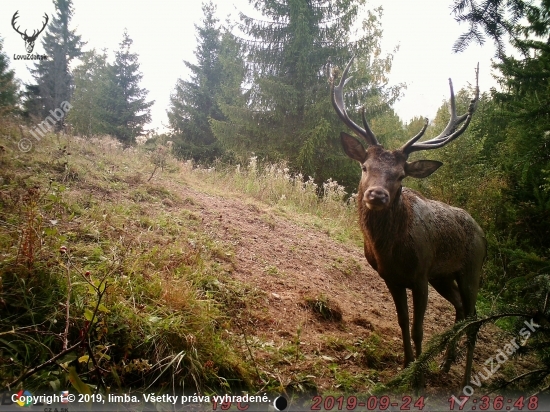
[(385, 227)]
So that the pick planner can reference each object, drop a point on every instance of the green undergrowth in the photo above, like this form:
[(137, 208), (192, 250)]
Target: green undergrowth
[(104, 282)]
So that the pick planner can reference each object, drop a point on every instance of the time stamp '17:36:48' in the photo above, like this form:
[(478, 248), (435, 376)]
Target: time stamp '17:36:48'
[(462, 403)]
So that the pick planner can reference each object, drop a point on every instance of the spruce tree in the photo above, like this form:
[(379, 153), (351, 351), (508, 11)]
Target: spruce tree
[(8, 85), (194, 101), (90, 113), (53, 76), (287, 112), (128, 109)]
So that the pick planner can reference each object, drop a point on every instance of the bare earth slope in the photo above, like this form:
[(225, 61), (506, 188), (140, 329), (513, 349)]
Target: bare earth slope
[(294, 265)]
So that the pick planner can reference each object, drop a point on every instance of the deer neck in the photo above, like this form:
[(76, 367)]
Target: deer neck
[(384, 227)]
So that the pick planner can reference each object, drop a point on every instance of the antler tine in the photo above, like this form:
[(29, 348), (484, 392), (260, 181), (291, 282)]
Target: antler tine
[(15, 16), (35, 33), (45, 23), (337, 97), (417, 137), (366, 125), (450, 132)]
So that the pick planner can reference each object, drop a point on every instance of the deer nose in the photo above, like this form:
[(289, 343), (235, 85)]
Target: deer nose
[(376, 196)]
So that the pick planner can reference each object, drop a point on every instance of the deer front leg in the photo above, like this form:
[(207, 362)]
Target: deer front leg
[(420, 302), (400, 299)]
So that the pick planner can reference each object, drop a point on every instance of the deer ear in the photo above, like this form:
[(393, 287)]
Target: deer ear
[(421, 168), (353, 147)]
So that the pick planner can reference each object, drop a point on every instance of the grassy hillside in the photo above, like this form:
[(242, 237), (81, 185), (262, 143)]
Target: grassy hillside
[(129, 269)]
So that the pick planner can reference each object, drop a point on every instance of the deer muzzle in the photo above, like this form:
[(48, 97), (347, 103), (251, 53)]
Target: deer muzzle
[(376, 198)]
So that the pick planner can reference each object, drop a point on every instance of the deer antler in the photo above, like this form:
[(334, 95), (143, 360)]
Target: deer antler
[(15, 16), (337, 96), (43, 26), (450, 132), (34, 34)]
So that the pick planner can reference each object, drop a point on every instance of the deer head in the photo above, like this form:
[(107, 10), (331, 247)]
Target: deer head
[(383, 170), (29, 40)]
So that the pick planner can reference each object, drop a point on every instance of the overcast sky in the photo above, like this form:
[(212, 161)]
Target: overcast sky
[(164, 36)]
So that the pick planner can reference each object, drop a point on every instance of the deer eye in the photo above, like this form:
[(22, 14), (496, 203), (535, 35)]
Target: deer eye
[(364, 168)]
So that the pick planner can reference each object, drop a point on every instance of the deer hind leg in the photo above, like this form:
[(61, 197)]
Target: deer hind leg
[(400, 299), (448, 288), (468, 287)]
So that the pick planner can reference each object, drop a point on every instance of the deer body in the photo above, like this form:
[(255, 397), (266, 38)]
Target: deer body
[(418, 237), (412, 241)]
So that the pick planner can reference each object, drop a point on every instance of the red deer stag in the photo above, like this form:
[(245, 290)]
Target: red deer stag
[(410, 240)]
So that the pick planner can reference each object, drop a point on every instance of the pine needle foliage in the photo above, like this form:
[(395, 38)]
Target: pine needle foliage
[(500, 20)]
